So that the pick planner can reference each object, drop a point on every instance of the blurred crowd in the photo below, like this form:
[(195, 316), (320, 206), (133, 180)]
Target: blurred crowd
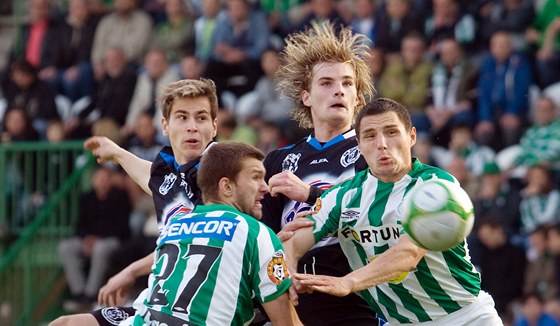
[(481, 80)]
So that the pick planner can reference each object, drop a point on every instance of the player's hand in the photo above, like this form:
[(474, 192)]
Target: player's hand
[(299, 222), (115, 292), (337, 286), (289, 185), (102, 148)]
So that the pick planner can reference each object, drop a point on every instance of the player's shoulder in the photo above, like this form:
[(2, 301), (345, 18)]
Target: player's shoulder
[(426, 172)]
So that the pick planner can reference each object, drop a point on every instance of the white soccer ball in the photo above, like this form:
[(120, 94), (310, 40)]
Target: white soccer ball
[(437, 214)]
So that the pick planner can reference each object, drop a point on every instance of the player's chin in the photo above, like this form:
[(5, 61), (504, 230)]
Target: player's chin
[(257, 211)]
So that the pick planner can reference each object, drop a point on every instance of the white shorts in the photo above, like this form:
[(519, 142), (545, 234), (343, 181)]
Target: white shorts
[(480, 313)]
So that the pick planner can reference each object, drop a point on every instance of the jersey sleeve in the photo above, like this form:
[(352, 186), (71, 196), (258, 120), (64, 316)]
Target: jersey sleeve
[(272, 278), (327, 214)]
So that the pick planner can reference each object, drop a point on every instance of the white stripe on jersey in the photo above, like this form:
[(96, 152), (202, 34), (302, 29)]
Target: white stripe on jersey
[(230, 265)]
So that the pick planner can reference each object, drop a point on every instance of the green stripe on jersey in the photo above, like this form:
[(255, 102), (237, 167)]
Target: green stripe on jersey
[(462, 270), (377, 208), (411, 303), (433, 289), (391, 307)]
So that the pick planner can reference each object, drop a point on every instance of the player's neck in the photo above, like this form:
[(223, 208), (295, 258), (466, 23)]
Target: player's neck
[(325, 132)]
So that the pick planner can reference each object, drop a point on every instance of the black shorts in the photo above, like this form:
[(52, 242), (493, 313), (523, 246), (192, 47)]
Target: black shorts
[(112, 316)]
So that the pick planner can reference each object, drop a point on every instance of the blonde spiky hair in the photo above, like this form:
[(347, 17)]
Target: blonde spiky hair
[(322, 44)]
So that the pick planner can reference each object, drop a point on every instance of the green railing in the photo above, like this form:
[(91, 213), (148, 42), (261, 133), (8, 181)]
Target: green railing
[(40, 184)]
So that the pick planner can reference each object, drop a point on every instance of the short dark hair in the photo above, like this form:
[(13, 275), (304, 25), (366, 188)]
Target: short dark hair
[(382, 105), (223, 160)]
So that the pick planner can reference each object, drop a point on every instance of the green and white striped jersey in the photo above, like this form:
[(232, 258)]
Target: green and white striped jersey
[(364, 213), (209, 266)]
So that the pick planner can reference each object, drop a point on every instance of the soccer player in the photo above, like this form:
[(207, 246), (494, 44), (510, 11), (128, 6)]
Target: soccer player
[(325, 75), (401, 281), (211, 262), (189, 120)]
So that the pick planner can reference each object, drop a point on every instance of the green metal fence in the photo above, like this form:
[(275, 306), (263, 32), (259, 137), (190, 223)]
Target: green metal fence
[(40, 184)]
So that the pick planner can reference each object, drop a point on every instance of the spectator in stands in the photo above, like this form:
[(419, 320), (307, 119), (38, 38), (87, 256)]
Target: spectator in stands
[(407, 79), (453, 91), (144, 144), (265, 102), (499, 197), (241, 38), (191, 67), (396, 20), (17, 126), (533, 312), (376, 62), (112, 97), (540, 203), (321, 11), (503, 90), (495, 258), (448, 21), (513, 16), (462, 144), (26, 91), (552, 307), (553, 238), (156, 75), (540, 144), (545, 35), (101, 225), (72, 75), (128, 28), (36, 42), (205, 29), (175, 34), (364, 21), (540, 274), (282, 15)]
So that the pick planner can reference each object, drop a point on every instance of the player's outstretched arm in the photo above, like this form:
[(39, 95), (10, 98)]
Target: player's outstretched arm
[(295, 248), (105, 149), (281, 311), (115, 292), (388, 266)]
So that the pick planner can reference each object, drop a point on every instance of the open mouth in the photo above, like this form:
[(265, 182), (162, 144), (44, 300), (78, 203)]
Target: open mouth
[(191, 141), (338, 106)]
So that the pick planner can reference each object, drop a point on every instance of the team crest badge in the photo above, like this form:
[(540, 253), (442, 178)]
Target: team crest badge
[(350, 156), (290, 163), (167, 184), (114, 315), (318, 204), (277, 270)]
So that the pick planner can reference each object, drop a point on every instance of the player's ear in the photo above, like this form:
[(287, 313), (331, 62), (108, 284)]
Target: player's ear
[(164, 126), (305, 98), (226, 187), (412, 136)]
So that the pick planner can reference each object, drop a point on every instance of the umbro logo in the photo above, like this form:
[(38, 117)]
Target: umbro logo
[(322, 160), (350, 214)]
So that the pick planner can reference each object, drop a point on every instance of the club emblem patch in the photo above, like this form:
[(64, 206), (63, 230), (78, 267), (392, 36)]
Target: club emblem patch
[(167, 184), (277, 270), (350, 156), (290, 163)]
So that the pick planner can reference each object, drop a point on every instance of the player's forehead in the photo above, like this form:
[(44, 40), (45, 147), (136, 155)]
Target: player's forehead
[(334, 71), (252, 165), (380, 121), (191, 106)]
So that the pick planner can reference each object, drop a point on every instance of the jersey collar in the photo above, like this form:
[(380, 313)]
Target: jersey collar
[(311, 140)]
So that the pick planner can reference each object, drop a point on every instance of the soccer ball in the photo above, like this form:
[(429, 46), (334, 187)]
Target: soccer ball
[(437, 214)]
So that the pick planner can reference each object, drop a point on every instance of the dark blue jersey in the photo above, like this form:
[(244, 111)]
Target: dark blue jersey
[(173, 186), (320, 165)]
